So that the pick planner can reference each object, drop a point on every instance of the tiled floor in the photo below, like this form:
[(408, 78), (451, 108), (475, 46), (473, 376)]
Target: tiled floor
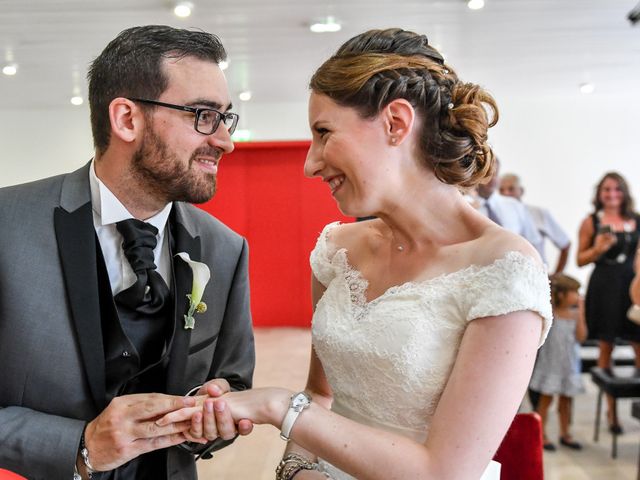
[(282, 359)]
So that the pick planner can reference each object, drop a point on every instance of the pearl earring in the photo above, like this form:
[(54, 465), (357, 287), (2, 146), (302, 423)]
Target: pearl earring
[(394, 140)]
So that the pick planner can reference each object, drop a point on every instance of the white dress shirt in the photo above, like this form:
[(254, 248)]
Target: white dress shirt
[(107, 210), (548, 227), (513, 216)]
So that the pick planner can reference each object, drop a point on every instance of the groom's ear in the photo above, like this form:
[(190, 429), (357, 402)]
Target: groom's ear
[(127, 120), (399, 118)]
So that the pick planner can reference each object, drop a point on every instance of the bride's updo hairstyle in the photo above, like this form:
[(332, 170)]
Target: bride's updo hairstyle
[(376, 67)]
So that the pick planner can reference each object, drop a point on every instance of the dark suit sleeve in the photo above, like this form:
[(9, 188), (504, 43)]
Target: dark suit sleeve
[(234, 357), (37, 445)]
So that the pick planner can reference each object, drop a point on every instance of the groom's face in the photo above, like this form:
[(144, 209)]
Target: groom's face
[(173, 159)]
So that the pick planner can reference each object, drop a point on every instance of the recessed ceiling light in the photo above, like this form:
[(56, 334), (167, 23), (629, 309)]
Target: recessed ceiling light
[(10, 69), (77, 100), (587, 87), (329, 25), (183, 9), (224, 64), (475, 4), (245, 96)]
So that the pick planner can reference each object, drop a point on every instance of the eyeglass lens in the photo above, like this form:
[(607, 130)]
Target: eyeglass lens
[(208, 121)]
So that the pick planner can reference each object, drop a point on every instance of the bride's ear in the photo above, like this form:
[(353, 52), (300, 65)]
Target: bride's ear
[(398, 117)]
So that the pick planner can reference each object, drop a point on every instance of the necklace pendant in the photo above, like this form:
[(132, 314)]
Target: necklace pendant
[(621, 258)]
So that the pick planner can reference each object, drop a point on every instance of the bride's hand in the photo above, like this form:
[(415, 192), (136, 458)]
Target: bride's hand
[(260, 406)]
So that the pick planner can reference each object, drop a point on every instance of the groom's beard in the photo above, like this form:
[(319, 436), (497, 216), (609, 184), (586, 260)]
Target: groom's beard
[(166, 177)]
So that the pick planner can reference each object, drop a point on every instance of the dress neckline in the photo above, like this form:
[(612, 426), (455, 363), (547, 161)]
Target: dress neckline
[(358, 284)]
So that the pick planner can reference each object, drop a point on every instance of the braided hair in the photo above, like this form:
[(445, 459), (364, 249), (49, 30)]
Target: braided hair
[(376, 67)]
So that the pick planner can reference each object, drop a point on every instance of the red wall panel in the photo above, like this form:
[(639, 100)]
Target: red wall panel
[(264, 195)]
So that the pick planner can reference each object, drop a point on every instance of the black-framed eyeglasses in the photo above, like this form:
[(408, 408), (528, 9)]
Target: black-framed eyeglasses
[(207, 120)]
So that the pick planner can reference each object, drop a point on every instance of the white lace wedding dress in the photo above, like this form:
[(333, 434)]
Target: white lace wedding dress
[(388, 360)]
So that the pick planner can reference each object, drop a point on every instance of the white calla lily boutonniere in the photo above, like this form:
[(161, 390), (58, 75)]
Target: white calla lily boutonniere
[(201, 276)]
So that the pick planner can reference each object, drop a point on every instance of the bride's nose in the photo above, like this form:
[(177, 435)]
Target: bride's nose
[(313, 165)]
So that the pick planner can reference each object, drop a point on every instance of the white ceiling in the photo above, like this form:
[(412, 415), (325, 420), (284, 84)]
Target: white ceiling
[(514, 47)]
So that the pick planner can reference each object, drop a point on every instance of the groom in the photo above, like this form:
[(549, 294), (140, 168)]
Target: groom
[(94, 344)]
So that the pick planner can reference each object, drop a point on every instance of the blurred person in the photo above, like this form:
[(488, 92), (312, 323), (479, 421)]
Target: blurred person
[(548, 227), (419, 310), (506, 211), (558, 369), (633, 313), (608, 238), (97, 332)]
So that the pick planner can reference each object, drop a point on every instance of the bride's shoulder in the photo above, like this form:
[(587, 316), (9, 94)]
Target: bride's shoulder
[(497, 243), (350, 235)]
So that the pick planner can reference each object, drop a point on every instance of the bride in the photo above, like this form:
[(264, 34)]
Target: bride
[(427, 318)]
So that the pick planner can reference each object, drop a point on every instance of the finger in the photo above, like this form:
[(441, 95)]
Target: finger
[(217, 387), (200, 440), (245, 426), (209, 422), (151, 429), (146, 445), (196, 425), (224, 420), (157, 404), (178, 416)]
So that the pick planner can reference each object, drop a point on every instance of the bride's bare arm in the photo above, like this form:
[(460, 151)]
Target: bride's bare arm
[(488, 380), (317, 385)]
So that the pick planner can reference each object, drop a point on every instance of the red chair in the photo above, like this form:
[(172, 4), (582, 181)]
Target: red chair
[(520, 454), (7, 475)]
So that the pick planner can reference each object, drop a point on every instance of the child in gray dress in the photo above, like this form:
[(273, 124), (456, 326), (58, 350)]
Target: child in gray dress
[(557, 368)]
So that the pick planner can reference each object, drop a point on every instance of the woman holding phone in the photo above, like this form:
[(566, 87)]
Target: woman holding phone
[(609, 239)]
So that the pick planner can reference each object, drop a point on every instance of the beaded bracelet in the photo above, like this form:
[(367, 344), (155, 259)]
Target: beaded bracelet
[(291, 464)]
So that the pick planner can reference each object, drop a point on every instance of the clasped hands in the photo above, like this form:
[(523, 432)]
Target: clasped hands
[(132, 425)]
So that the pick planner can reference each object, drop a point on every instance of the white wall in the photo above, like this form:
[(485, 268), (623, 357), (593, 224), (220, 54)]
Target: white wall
[(559, 146)]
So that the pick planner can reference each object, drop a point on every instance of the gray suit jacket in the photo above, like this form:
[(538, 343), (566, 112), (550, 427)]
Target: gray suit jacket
[(52, 375)]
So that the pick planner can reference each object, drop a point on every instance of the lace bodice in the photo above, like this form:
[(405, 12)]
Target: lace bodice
[(388, 360)]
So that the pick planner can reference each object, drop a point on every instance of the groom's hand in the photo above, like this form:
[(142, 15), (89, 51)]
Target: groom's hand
[(127, 428)]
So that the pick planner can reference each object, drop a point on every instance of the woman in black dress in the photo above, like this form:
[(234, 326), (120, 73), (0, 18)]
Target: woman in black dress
[(609, 239)]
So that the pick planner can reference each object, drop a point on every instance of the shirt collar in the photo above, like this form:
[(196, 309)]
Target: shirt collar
[(108, 209)]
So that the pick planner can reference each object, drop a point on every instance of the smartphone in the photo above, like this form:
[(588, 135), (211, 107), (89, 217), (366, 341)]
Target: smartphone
[(604, 229)]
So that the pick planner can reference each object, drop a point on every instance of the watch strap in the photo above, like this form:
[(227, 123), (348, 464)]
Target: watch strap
[(294, 411)]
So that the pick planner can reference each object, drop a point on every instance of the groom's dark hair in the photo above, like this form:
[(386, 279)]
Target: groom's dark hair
[(131, 66)]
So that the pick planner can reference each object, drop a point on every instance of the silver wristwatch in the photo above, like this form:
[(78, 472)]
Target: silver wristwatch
[(299, 401)]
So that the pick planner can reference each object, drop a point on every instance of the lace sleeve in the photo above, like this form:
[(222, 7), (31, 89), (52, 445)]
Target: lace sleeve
[(320, 258), (511, 284)]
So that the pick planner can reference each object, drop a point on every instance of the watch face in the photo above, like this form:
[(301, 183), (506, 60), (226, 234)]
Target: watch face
[(300, 401)]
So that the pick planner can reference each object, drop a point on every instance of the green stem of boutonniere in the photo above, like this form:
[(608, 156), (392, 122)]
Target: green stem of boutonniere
[(201, 276)]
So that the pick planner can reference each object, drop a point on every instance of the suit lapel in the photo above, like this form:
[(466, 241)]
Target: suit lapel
[(75, 234), (183, 241)]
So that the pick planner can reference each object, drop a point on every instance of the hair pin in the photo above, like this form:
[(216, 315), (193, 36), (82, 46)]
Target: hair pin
[(450, 106)]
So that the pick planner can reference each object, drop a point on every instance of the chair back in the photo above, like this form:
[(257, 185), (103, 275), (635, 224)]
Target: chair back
[(7, 475), (520, 454)]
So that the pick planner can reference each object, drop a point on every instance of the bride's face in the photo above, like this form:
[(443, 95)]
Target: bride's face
[(348, 153)]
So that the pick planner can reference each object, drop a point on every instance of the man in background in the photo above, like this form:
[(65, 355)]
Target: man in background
[(507, 212), (548, 227)]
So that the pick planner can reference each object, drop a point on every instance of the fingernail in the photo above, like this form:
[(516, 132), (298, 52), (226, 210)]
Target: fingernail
[(220, 406), (215, 389)]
